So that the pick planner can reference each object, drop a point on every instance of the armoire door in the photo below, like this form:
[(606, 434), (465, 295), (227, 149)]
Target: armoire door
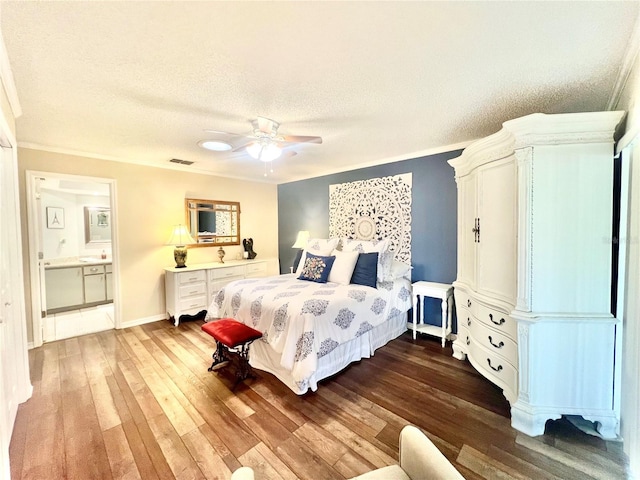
[(467, 237), (497, 214)]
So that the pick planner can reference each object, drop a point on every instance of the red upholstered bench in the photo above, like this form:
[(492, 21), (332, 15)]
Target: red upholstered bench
[(233, 339)]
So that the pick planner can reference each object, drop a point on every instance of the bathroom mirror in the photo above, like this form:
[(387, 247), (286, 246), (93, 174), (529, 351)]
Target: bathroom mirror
[(213, 222), (97, 225)]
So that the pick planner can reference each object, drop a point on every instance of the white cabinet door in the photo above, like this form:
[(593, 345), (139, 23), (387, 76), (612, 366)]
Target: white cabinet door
[(64, 287), (467, 218), (94, 288), (497, 213), (108, 280)]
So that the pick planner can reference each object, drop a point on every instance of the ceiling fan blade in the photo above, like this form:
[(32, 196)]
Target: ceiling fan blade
[(288, 154), (242, 147), (300, 139)]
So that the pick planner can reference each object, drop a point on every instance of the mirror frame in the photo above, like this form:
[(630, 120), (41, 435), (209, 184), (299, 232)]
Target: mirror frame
[(88, 210), (214, 241)]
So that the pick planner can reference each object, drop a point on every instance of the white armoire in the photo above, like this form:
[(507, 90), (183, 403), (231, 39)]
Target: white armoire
[(535, 266)]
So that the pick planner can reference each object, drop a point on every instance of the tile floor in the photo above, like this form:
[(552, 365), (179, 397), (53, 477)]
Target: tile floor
[(81, 322)]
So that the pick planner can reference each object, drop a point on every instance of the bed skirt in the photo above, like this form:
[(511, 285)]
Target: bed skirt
[(263, 357)]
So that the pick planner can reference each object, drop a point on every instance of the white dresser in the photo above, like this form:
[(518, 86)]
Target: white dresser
[(191, 289), (533, 288)]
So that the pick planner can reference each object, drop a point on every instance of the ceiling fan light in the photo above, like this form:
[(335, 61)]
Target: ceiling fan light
[(215, 145), (254, 150), (264, 151), (270, 152)]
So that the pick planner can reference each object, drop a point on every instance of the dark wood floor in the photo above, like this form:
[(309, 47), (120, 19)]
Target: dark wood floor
[(140, 403)]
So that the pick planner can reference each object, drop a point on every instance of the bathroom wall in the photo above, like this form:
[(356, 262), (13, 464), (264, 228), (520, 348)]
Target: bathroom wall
[(69, 241)]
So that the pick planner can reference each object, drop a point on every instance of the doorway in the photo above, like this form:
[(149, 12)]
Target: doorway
[(73, 255)]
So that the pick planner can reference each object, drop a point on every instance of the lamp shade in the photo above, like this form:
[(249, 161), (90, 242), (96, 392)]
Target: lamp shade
[(301, 239), (180, 236)]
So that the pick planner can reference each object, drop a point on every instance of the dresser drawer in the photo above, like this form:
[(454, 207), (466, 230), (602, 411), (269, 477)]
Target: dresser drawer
[(193, 304), (497, 320), (494, 367), (192, 290), (227, 272), (256, 269), (493, 341), (192, 277)]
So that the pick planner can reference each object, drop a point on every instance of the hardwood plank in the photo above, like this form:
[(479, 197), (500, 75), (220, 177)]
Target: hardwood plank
[(303, 462), (209, 462), (180, 461), (262, 467), (86, 456), (123, 464)]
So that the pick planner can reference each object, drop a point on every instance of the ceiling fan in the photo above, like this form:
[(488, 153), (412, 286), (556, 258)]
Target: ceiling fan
[(264, 143)]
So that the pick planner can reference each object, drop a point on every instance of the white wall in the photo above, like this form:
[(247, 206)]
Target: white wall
[(69, 241)]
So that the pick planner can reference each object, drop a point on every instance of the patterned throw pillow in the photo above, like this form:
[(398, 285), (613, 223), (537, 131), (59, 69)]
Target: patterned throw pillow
[(316, 268), (317, 246)]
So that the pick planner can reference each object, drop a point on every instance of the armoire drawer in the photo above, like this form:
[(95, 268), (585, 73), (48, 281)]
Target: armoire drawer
[(497, 320), (495, 367), (494, 341), (463, 300)]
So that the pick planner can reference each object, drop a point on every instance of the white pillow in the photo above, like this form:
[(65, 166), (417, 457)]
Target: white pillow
[(385, 256), (399, 270), (343, 266), (317, 246)]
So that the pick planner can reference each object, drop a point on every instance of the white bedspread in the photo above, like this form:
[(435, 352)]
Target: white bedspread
[(303, 321)]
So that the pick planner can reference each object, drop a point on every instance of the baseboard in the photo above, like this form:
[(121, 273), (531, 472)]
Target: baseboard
[(144, 320)]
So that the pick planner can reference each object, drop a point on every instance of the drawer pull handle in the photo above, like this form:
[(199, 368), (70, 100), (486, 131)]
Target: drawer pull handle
[(468, 303), (193, 292), (468, 341), (502, 320), (468, 322), (495, 369), (499, 345)]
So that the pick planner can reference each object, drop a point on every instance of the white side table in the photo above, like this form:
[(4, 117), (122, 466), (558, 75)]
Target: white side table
[(442, 291)]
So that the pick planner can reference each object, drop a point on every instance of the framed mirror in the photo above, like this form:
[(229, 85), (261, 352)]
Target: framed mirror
[(213, 222), (97, 225)]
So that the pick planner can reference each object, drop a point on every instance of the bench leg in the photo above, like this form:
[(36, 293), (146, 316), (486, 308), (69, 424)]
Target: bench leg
[(221, 355)]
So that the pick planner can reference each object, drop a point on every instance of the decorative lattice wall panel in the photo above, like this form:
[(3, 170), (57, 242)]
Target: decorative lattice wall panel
[(374, 209)]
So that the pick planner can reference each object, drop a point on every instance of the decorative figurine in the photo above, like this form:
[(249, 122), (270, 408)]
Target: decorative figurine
[(221, 254), (248, 247)]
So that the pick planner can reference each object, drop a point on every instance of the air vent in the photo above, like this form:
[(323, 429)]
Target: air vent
[(183, 162)]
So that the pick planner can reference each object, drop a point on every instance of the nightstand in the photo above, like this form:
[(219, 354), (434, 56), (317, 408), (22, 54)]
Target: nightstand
[(443, 291)]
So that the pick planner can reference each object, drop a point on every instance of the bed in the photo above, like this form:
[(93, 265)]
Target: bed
[(313, 330)]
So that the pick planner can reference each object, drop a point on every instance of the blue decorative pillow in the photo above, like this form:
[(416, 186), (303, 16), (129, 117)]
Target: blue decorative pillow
[(316, 268), (366, 271)]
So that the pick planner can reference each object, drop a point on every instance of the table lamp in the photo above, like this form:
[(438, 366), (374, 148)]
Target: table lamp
[(180, 238), (301, 242)]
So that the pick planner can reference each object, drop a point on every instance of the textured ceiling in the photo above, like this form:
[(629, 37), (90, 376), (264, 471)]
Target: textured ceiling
[(378, 81)]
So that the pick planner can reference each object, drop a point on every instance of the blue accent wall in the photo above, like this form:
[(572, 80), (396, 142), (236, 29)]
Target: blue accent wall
[(304, 205)]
